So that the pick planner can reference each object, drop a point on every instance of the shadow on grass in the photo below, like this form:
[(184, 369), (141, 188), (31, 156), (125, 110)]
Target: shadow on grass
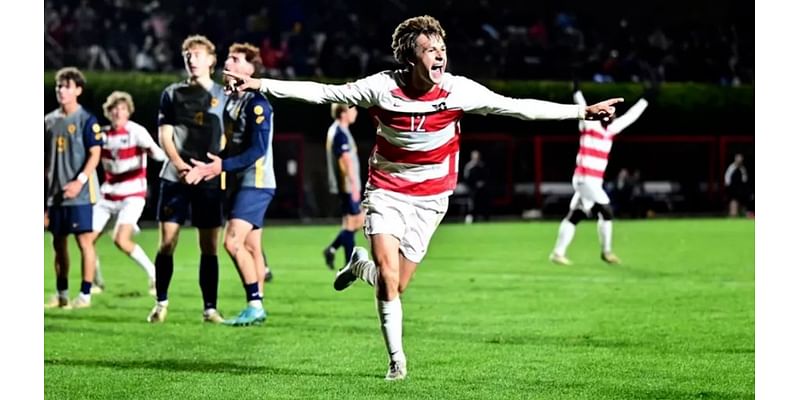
[(209, 367)]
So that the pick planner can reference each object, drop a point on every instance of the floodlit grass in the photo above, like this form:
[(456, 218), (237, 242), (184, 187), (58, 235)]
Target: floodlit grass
[(486, 317)]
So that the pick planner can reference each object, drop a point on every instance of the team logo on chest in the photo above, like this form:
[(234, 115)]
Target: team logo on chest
[(214, 102), (71, 128)]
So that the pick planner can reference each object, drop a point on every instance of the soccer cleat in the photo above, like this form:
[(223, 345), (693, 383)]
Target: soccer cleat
[(610, 258), (157, 314), (346, 276), (212, 316), (151, 287), (81, 302), (397, 371), (58, 302), (268, 275), (249, 316), (330, 257), (559, 259), (96, 289)]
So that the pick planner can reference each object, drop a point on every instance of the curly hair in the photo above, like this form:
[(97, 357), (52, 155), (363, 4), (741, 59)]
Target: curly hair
[(117, 97), (404, 38), (71, 74)]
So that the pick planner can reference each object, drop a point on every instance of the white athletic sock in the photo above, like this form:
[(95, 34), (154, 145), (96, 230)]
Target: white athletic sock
[(140, 257), (255, 303), (391, 317), (98, 274), (566, 231), (367, 271), (64, 294), (604, 232)]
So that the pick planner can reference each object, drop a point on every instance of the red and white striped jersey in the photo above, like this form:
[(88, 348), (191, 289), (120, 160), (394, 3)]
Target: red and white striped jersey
[(417, 144), (596, 140), (124, 160)]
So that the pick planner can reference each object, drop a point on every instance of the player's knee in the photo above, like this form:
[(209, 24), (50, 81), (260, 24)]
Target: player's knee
[(232, 245), (167, 247), (576, 216), (604, 210)]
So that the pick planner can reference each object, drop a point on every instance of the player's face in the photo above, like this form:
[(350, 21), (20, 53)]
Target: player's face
[(237, 62), (120, 114), (198, 61), (351, 114), (431, 59), (67, 92)]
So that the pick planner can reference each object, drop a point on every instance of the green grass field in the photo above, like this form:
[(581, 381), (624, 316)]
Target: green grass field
[(486, 317)]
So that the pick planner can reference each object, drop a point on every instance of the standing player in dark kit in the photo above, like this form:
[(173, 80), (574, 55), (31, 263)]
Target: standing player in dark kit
[(344, 180), (190, 126), (71, 156)]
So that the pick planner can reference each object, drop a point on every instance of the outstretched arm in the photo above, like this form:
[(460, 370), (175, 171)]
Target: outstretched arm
[(484, 101), (358, 93), (628, 118), (145, 141)]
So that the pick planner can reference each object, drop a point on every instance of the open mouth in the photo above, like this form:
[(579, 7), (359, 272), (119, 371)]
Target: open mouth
[(437, 70)]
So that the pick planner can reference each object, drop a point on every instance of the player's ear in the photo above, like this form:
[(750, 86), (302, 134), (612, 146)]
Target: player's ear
[(78, 91)]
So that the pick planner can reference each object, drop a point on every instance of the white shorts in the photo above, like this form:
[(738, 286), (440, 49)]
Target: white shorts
[(411, 220), (126, 211), (588, 192)]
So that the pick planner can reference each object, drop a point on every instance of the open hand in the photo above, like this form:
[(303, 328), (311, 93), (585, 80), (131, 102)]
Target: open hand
[(602, 109), (72, 188)]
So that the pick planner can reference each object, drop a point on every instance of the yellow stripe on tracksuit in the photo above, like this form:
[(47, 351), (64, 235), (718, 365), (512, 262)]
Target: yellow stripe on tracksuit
[(259, 179), (92, 194), (222, 142)]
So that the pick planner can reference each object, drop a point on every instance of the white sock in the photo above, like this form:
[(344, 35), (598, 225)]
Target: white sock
[(566, 231), (367, 271), (255, 303), (163, 303), (140, 257), (604, 232), (64, 294), (390, 314), (98, 274)]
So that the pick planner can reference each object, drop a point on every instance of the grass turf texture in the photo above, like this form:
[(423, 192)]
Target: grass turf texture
[(486, 316)]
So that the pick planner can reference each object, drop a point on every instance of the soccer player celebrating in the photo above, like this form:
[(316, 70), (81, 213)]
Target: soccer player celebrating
[(248, 165), (344, 179), (124, 160), (587, 180), (413, 169), (190, 126), (72, 154)]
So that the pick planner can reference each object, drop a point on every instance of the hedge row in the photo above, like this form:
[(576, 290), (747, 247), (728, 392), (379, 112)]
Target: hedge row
[(688, 107)]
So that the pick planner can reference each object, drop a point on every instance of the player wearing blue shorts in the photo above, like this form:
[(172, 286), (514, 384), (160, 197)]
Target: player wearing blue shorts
[(71, 156), (344, 180), (190, 125), (250, 180)]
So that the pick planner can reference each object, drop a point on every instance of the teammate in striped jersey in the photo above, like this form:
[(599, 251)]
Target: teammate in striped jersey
[(124, 160), (71, 157), (413, 168), (587, 180)]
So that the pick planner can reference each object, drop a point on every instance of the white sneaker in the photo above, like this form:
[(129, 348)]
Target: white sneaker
[(157, 314), (559, 259), (397, 371), (347, 275)]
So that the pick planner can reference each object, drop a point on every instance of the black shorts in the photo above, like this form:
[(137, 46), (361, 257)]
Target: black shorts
[(177, 200)]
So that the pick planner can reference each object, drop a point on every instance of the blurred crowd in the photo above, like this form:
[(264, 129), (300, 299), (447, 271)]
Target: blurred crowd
[(702, 40)]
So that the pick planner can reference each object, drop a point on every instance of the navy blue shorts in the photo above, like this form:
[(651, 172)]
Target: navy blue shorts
[(250, 204), (177, 199), (349, 207), (70, 219)]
